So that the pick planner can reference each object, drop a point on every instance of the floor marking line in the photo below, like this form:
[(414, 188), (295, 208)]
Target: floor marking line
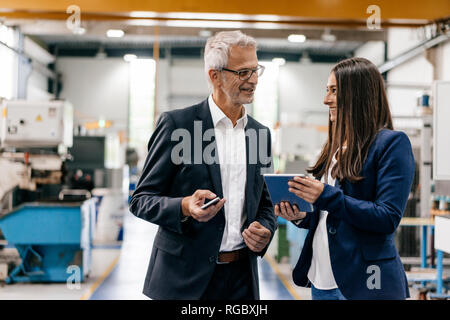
[(100, 280), (286, 283)]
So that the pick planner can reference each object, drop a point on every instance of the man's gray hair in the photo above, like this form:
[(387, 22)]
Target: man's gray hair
[(218, 48)]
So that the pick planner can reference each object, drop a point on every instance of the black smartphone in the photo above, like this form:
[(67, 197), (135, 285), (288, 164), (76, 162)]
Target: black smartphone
[(213, 201)]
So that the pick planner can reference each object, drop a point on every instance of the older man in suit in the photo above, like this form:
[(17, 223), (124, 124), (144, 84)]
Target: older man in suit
[(212, 149)]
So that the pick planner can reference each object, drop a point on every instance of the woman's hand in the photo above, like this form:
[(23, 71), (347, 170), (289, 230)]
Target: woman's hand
[(285, 211), (306, 188)]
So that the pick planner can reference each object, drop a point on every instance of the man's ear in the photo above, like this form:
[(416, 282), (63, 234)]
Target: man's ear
[(214, 76)]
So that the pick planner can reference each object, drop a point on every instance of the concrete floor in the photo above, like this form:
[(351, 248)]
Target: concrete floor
[(118, 273), (101, 260), (126, 280)]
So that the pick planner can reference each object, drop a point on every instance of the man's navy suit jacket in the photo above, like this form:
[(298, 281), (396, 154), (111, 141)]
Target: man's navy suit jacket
[(184, 253), (361, 223)]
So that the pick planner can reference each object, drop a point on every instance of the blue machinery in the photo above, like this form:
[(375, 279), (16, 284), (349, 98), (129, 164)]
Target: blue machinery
[(53, 240), (440, 282), (297, 236)]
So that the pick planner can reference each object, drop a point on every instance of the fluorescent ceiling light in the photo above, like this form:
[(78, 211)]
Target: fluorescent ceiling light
[(115, 33), (101, 54), (305, 59), (205, 33), (79, 31), (129, 57), (297, 38), (279, 61), (327, 36), (143, 14), (205, 24), (206, 16)]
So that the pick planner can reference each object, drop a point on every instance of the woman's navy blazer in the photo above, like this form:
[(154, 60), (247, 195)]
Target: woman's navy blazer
[(361, 223)]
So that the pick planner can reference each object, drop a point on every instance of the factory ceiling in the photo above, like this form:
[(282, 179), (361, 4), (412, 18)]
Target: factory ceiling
[(333, 29), (318, 12), (322, 42)]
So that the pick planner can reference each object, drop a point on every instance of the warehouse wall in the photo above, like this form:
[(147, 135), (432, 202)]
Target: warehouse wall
[(104, 83), (372, 50), (100, 87), (302, 88), (187, 83), (96, 88), (415, 71), (182, 82), (444, 56), (37, 81)]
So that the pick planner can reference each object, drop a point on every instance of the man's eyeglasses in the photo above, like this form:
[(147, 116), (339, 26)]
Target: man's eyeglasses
[(246, 74)]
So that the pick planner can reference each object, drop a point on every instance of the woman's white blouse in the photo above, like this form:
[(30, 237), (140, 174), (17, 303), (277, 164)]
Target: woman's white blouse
[(320, 272)]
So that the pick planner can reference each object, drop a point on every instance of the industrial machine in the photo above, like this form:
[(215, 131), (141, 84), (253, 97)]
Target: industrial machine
[(34, 137), (36, 124), (51, 238), (50, 223)]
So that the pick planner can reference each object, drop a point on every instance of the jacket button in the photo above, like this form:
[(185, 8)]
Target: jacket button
[(212, 259), (332, 230)]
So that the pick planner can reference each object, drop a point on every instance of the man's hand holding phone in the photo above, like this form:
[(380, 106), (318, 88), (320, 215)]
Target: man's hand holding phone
[(192, 206)]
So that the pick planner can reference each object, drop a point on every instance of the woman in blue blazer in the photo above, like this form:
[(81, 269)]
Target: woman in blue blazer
[(363, 179)]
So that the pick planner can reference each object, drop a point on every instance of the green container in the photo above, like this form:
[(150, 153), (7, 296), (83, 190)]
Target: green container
[(283, 243)]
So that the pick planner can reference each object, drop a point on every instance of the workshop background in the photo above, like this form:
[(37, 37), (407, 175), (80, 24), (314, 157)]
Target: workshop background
[(83, 82)]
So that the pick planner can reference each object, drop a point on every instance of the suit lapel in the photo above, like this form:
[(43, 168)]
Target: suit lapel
[(214, 169), (250, 179)]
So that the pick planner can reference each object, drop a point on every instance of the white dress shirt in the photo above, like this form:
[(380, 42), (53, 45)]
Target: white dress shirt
[(320, 272), (231, 149)]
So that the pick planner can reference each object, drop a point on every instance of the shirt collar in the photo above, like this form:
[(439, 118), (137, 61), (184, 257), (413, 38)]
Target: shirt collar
[(218, 115)]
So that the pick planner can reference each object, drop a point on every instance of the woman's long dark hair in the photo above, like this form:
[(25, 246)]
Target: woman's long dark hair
[(362, 110)]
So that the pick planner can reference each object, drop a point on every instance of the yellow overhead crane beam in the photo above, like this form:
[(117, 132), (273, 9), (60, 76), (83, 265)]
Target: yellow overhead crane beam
[(319, 12)]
